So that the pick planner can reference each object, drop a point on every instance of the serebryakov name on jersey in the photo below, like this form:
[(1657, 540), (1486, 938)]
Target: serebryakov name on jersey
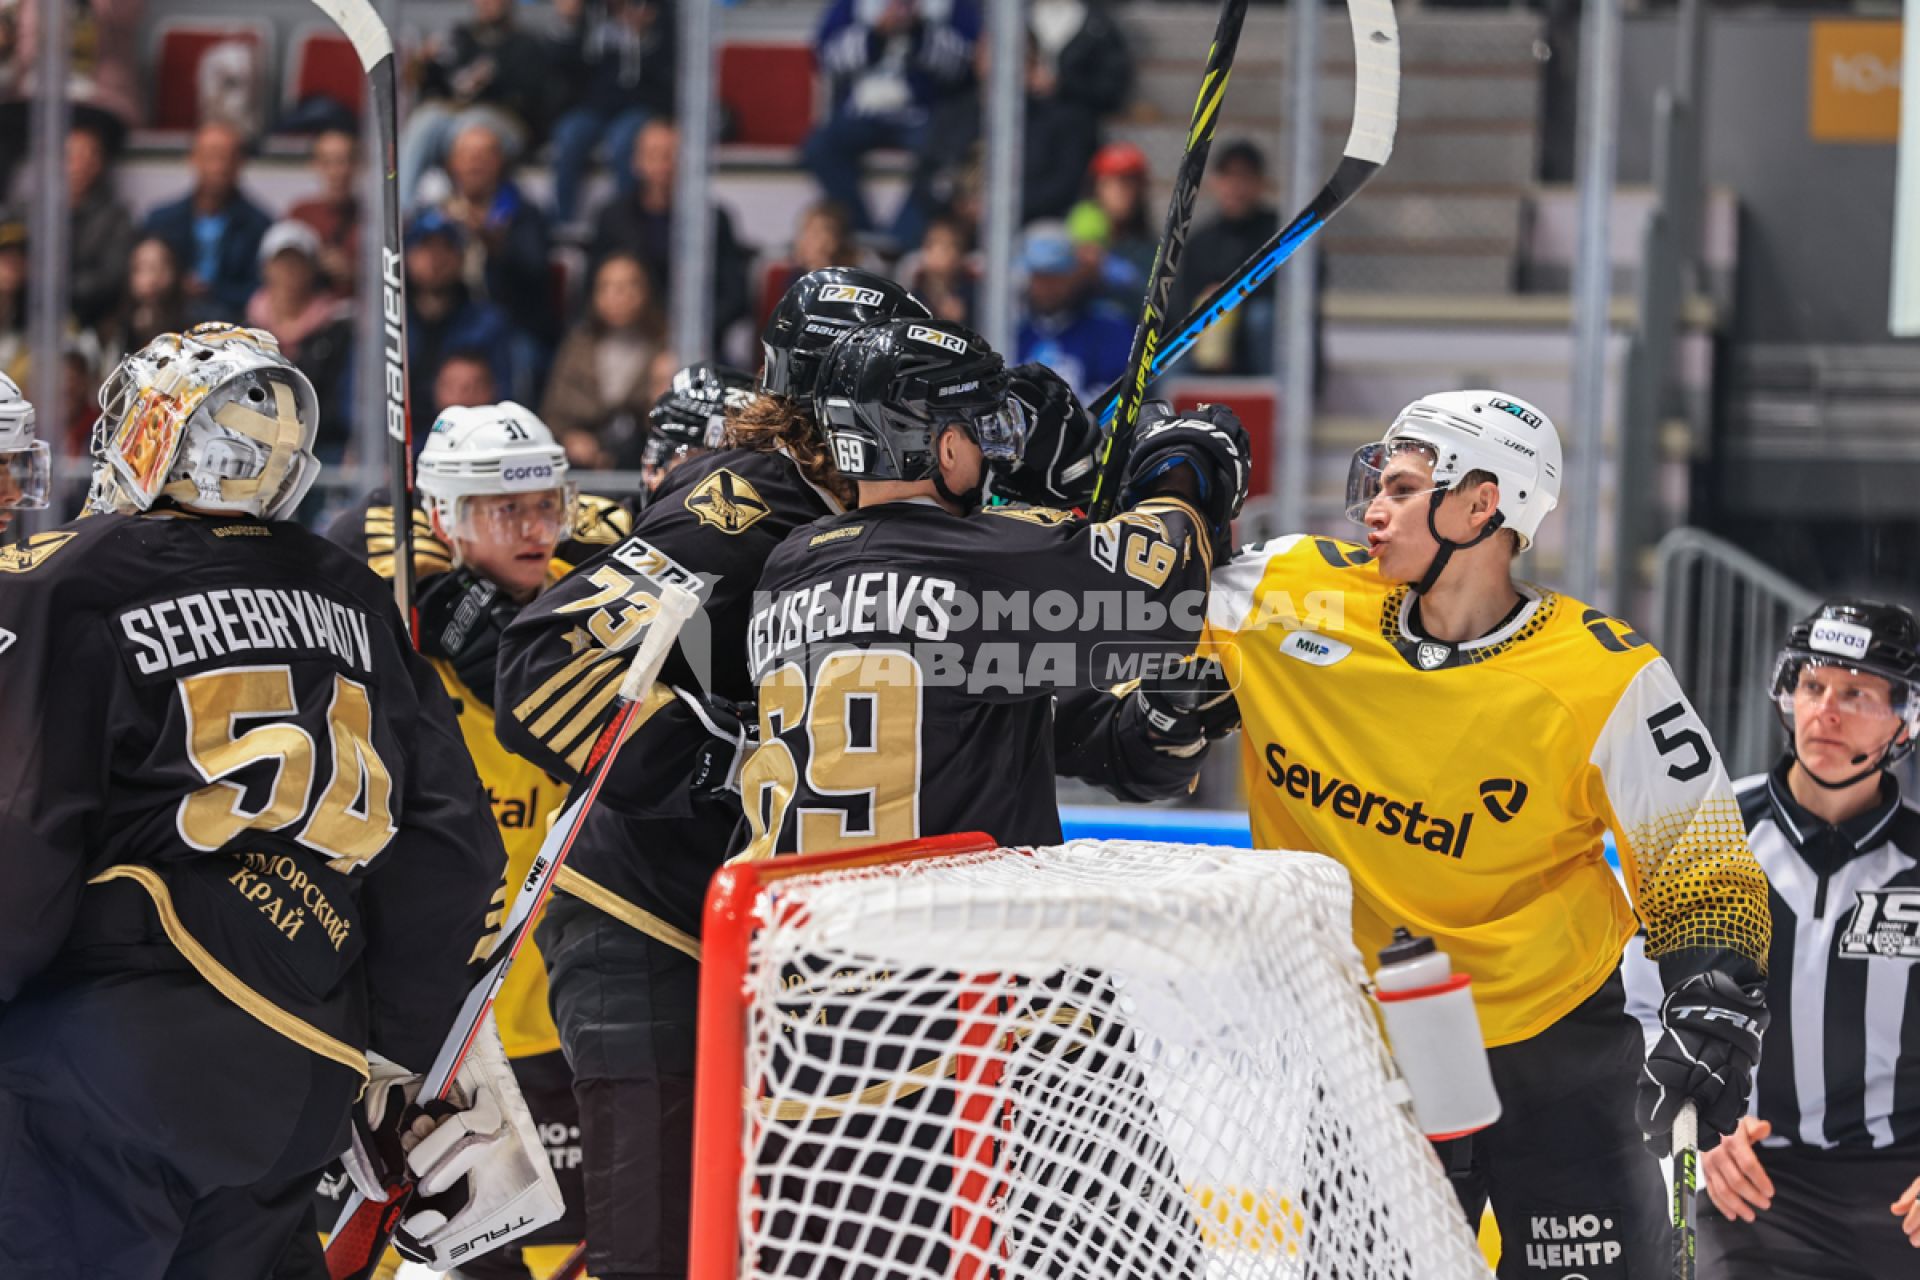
[(201, 625)]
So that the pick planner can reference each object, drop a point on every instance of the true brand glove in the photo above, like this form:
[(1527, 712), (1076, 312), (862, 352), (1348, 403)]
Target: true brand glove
[(1707, 1055), (461, 618), (1212, 442)]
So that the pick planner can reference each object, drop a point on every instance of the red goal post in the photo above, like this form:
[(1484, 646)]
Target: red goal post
[(1101, 1059)]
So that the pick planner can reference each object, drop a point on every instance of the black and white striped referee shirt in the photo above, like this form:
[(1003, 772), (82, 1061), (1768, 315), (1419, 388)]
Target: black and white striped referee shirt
[(1840, 1065)]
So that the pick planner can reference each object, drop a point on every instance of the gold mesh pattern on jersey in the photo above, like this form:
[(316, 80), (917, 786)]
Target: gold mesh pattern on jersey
[(1396, 600), (1699, 885)]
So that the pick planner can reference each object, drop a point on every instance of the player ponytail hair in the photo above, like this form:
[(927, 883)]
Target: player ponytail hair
[(770, 423)]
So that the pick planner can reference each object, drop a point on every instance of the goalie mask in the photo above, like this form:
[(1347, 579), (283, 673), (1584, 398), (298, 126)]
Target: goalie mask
[(25, 464), (691, 414), (214, 419), (1459, 433), (817, 309), (1862, 637), (887, 392), (494, 473)]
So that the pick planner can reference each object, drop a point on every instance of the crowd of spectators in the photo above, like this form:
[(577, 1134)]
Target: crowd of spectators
[(562, 302)]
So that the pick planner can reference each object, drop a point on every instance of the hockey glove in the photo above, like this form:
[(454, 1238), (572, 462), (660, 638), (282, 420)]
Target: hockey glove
[(481, 1175), (1186, 708), (376, 1157), (1213, 444), (1056, 468), (1707, 1055), (732, 732), (461, 618)]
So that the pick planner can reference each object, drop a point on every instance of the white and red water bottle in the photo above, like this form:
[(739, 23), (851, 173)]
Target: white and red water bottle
[(1435, 1033)]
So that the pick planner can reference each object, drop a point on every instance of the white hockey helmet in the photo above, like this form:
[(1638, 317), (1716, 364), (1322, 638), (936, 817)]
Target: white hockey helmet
[(1468, 431), (25, 463), (214, 418), (485, 450)]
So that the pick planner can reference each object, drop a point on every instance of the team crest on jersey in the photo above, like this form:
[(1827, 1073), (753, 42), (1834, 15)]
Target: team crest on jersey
[(1886, 923), (32, 553), (1032, 515), (727, 502), (1431, 656), (599, 521)]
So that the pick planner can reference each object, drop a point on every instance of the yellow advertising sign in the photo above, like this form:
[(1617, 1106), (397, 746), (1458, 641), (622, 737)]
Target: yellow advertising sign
[(1853, 81)]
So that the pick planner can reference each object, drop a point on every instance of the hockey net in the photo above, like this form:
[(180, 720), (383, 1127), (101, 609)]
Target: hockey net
[(1098, 1060)]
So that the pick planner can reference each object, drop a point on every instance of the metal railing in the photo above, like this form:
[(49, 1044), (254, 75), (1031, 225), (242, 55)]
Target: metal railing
[(1723, 616)]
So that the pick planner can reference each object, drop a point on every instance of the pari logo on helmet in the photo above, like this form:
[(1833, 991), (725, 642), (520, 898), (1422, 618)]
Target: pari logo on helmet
[(937, 338), (214, 418), (816, 310), (852, 295)]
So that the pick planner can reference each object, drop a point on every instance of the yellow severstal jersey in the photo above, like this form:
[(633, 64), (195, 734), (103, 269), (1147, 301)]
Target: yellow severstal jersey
[(1467, 788)]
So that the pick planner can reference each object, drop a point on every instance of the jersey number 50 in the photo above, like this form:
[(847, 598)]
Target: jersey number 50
[(351, 821), (862, 742)]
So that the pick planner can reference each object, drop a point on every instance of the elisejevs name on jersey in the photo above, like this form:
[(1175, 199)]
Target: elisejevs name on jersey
[(1468, 787)]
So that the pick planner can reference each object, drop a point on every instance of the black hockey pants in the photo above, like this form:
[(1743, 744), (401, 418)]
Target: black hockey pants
[(1572, 1184)]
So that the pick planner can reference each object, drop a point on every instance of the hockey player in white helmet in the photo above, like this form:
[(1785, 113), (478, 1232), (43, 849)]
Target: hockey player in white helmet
[(244, 866), (24, 465), (498, 512), (1462, 740)]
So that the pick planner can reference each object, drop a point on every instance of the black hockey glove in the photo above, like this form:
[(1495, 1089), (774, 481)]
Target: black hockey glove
[(1057, 465), (461, 618), (1211, 442), (1187, 708), (732, 734), (1707, 1055)]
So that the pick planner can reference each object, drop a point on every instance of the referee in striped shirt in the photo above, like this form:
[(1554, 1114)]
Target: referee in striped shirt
[(1822, 1178)]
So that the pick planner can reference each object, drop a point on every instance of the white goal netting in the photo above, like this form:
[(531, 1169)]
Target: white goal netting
[(1099, 1060)]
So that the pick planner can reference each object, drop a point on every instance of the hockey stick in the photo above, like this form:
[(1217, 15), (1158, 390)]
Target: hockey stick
[(1376, 117), (1686, 1181), (365, 1226), (374, 46), (1166, 260), (575, 1265)]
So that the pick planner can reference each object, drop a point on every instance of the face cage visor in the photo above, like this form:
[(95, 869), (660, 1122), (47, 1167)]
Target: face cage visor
[(1897, 704), (508, 519), (1367, 476), (1001, 433), (25, 477)]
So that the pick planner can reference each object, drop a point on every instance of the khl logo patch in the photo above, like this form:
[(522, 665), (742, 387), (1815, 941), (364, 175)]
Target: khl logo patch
[(1431, 656)]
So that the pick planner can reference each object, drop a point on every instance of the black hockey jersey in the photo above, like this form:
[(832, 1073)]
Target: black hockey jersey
[(907, 661), (650, 846), (222, 754)]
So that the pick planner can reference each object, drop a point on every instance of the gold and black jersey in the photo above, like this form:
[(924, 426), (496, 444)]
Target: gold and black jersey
[(1467, 788), (908, 661), (711, 528), (218, 735)]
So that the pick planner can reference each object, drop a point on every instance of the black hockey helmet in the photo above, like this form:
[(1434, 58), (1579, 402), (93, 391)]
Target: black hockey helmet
[(816, 309), (692, 412), (1062, 449), (1866, 636), (885, 392)]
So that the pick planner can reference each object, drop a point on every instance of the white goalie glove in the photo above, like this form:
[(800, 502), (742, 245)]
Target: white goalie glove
[(481, 1176)]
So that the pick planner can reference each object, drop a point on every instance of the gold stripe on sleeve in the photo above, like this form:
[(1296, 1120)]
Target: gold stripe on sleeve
[(595, 894)]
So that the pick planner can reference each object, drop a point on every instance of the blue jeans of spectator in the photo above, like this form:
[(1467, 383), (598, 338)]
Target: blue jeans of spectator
[(833, 153), (577, 136), (431, 128)]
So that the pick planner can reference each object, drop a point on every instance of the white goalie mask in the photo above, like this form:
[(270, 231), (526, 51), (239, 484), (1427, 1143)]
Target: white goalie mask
[(488, 451), (25, 464), (1461, 432), (213, 419)]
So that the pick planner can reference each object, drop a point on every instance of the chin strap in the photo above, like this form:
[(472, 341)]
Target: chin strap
[(967, 503), (1447, 545)]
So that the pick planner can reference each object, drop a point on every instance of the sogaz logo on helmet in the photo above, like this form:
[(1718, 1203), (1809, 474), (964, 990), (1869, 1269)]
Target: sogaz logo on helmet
[(1846, 639), (1519, 411), (935, 338), (853, 294), (518, 476)]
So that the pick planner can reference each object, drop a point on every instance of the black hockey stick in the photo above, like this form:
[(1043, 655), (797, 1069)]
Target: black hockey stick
[(374, 46), (1376, 117), (1166, 260), (1686, 1181), (365, 1226)]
